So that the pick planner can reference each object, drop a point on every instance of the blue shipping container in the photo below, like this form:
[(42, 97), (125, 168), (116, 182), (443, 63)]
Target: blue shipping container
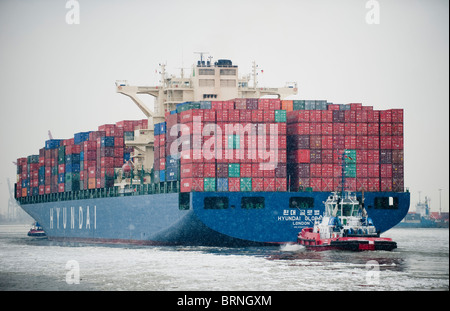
[(72, 167), (222, 184), (162, 175), (61, 178), (81, 137), (73, 158), (52, 144), (171, 173), (107, 141)]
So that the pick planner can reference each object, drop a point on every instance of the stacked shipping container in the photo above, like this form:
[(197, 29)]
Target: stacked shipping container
[(236, 145), (86, 161), (371, 140)]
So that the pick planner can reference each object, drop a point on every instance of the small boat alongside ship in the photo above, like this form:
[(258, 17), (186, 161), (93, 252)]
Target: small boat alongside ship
[(345, 225), (36, 230)]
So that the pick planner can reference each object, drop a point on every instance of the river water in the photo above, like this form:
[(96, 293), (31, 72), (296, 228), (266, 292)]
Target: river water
[(421, 262)]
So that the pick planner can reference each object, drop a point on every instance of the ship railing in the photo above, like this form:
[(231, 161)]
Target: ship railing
[(132, 190)]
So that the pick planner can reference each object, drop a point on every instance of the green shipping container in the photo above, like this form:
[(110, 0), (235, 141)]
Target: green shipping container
[(234, 141), (209, 184), (350, 170), (234, 170), (72, 177), (280, 115), (298, 105), (62, 155), (350, 156), (246, 184)]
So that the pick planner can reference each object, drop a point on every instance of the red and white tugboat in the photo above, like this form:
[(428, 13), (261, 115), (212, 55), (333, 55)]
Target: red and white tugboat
[(344, 226), (36, 230)]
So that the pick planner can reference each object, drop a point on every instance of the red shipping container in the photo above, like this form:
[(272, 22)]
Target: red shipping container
[(315, 170), (228, 104), (338, 142), (385, 116), (89, 145), (48, 189), (222, 115), (73, 149), (362, 170), (327, 170), (209, 115), (198, 184), (373, 170), (61, 168), (328, 184), (337, 156), (280, 184), (397, 115), (257, 184), (373, 184), (397, 184), (361, 143), (245, 116), (373, 116), (361, 116), (209, 170), (397, 129), (327, 116), (162, 164), (386, 184), (326, 128), (297, 116), (106, 162), (315, 142), (337, 170), (373, 129), (327, 142), (298, 129), (338, 129), (327, 156), (373, 142), (233, 115), (315, 128), (385, 129), (246, 170), (216, 105), (299, 156), (186, 185), (315, 116), (362, 184), (274, 104), (257, 116), (257, 171), (355, 106), (269, 184), (301, 183), (316, 184), (234, 184), (186, 170), (397, 142), (333, 107), (362, 156), (61, 187), (350, 128), (240, 103), (386, 170), (269, 116), (350, 116), (361, 129), (350, 184), (386, 142), (350, 142)]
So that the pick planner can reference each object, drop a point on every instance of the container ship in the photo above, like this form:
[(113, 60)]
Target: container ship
[(216, 162)]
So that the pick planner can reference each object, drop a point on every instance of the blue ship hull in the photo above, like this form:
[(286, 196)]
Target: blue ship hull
[(160, 219)]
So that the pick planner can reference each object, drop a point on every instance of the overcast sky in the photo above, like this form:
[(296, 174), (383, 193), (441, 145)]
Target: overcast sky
[(60, 77)]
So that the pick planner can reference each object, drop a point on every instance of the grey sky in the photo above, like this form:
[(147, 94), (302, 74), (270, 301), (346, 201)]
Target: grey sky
[(60, 77)]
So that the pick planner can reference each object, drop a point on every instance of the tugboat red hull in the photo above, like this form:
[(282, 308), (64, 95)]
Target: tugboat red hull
[(36, 233), (313, 241)]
